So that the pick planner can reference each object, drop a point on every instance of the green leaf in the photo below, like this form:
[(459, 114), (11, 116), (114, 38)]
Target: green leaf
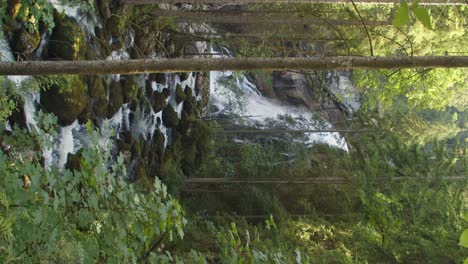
[(423, 16), (401, 15), (464, 239)]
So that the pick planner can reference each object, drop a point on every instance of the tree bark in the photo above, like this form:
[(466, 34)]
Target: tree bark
[(244, 2), (181, 16), (227, 64), (285, 37)]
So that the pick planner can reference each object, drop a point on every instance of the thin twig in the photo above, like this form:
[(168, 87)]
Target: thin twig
[(365, 27)]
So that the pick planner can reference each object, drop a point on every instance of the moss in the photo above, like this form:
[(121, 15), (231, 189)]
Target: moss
[(169, 117), (189, 107), (97, 92), (66, 97), (130, 89), (116, 98), (25, 43), (156, 153), (180, 95), (118, 19), (67, 40), (189, 158), (136, 148), (158, 102)]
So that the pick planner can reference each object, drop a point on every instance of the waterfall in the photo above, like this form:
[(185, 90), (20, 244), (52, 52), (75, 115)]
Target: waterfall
[(233, 94)]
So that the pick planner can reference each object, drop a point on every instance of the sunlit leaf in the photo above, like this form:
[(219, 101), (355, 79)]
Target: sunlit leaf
[(401, 15), (464, 239), (423, 16)]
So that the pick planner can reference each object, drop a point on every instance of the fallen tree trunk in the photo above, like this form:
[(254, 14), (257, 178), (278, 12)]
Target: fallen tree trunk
[(227, 64), (244, 2)]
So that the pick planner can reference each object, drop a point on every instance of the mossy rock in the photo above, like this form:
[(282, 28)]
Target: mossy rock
[(169, 117), (189, 107), (180, 95), (157, 77), (136, 148), (184, 76), (130, 89), (98, 97), (103, 9), (116, 23), (158, 102), (149, 88), (188, 93), (166, 92), (156, 154), (116, 98), (67, 40), (91, 53), (189, 157), (67, 98), (24, 43)]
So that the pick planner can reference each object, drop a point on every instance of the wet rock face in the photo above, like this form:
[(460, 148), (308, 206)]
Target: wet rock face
[(116, 98), (67, 40), (67, 100)]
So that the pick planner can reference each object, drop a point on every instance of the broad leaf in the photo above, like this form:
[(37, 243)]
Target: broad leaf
[(401, 15), (423, 16), (464, 239)]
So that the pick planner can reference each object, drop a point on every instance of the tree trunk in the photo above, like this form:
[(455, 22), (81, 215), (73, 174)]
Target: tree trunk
[(228, 64), (244, 2), (213, 17), (285, 37)]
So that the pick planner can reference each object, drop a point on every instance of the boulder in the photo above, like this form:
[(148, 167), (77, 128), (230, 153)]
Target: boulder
[(98, 97), (25, 43), (67, 98), (67, 40), (158, 102), (180, 95), (169, 117), (166, 92)]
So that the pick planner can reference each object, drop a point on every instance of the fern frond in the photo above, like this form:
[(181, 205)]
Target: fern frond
[(4, 200)]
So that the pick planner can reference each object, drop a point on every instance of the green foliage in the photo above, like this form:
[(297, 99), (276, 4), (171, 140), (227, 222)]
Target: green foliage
[(423, 16), (80, 216), (402, 15), (7, 105), (428, 89)]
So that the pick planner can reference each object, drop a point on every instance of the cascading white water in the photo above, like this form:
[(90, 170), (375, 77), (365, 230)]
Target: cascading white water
[(233, 94)]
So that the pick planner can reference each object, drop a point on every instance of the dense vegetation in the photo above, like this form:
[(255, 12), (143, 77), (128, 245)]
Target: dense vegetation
[(403, 198)]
